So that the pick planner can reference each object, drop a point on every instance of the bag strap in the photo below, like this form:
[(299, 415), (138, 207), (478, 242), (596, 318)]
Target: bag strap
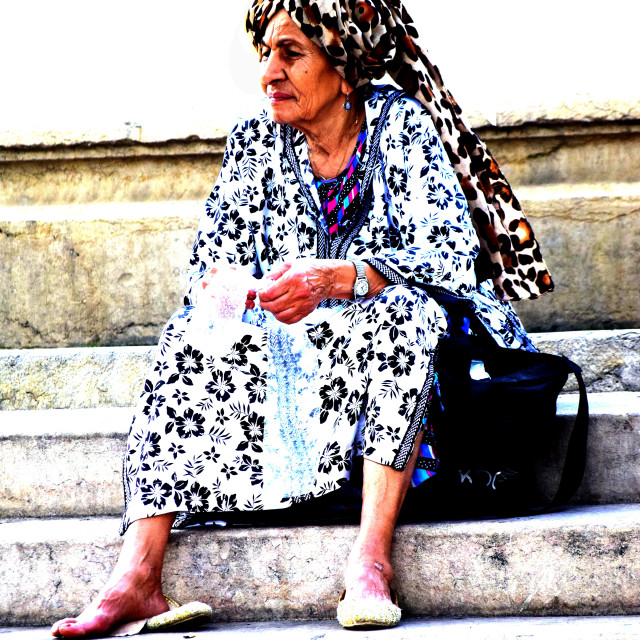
[(576, 456)]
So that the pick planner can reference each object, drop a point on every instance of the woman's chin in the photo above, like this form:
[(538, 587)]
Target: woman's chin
[(282, 113)]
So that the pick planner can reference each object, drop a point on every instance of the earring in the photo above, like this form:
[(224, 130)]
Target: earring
[(347, 103)]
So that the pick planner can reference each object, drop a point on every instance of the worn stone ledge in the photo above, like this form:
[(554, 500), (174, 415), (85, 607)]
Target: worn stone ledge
[(112, 276), (610, 360), (153, 131), (61, 147), (613, 448), (63, 463), (513, 628), (590, 238), (67, 462), (108, 177), (579, 108), (72, 378), (190, 146), (112, 376), (185, 169), (581, 562), (111, 273), (157, 129)]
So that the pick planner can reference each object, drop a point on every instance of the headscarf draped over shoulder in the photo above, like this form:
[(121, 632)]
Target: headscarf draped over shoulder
[(364, 39)]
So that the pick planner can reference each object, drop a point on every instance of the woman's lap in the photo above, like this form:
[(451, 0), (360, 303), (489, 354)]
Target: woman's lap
[(255, 406)]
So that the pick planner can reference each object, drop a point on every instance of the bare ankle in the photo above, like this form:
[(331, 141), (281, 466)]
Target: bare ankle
[(371, 552), (140, 573), (368, 563)]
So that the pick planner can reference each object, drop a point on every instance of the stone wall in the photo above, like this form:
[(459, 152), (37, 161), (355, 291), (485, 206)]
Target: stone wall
[(94, 237)]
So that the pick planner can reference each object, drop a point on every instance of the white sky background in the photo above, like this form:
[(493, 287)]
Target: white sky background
[(74, 63)]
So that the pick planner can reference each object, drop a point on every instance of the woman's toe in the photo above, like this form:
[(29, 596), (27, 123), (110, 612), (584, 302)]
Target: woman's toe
[(73, 628), (78, 630), (55, 628)]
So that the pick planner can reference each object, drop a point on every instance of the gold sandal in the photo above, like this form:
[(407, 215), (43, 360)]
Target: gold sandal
[(369, 613), (188, 615)]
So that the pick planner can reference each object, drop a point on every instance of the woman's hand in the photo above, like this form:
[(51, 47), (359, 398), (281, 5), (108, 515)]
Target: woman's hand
[(300, 286)]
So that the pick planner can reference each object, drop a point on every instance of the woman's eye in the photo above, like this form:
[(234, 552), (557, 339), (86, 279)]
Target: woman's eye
[(292, 54), (264, 55)]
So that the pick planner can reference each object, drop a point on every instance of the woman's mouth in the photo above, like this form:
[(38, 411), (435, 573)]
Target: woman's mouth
[(278, 96)]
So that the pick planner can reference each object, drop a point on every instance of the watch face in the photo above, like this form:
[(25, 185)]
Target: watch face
[(361, 288)]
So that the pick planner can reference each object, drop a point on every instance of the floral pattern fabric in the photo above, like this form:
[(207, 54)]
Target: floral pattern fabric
[(254, 414)]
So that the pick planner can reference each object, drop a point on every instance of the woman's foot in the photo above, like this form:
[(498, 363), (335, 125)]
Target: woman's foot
[(368, 575), (367, 602), (124, 599)]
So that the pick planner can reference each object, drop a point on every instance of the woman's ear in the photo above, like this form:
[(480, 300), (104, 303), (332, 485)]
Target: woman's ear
[(346, 88)]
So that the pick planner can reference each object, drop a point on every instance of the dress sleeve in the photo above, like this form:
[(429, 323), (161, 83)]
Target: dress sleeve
[(227, 228), (431, 237)]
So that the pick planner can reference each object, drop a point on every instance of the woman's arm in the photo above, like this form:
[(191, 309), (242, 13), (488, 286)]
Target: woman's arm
[(427, 230)]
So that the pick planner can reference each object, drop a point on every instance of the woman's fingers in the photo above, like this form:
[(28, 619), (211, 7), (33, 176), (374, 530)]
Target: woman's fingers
[(297, 289), (291, 316), (273, 276), (289, 300)]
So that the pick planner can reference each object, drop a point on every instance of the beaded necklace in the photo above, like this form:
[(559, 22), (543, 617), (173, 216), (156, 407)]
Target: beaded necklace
[(338, 194)]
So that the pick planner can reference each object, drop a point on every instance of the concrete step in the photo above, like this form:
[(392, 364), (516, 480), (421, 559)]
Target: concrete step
[(610, 360), (584, 561), (516, 628), (133, 162), (67, 462), (109, 274), (64, 172), (62, 462), (104, 274), (590, 237), (113, 376), (72, 378)]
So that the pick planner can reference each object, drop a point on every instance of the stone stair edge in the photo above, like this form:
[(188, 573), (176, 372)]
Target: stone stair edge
[(67, 462), (84, 377), (599, 401), (101, 211), (603, 403), (557, 336), (69, 420), (411, 628), (583, 191), (90, 351), (97, 528), (537, 337), (132, 210), (582, 561), (576, 109), (81, 422)]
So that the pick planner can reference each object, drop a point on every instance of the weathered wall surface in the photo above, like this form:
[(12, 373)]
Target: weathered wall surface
[(96, 255)]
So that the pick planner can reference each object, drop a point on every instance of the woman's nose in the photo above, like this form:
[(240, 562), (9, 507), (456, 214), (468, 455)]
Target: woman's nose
[(272, 69)]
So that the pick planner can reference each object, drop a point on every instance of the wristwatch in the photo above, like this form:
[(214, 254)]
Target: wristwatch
[(361, 285)]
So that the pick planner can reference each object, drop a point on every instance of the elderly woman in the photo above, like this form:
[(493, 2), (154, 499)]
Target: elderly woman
[(338, 213)]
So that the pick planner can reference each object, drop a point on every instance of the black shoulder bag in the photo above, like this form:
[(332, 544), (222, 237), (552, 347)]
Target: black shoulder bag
[(496, 421)]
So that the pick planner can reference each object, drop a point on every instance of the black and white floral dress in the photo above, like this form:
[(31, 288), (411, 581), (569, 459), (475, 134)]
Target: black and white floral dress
[(252, 414)]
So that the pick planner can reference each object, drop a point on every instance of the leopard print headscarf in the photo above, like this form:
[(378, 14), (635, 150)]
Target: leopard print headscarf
[(364, 39)]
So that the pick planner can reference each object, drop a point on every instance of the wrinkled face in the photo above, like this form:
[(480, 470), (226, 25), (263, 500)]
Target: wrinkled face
[(301, 84)]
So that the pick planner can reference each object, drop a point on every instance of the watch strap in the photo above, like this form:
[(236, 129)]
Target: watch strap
[(361, 284)]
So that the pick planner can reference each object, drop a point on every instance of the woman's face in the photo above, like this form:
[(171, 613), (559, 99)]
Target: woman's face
[(301, 84)]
